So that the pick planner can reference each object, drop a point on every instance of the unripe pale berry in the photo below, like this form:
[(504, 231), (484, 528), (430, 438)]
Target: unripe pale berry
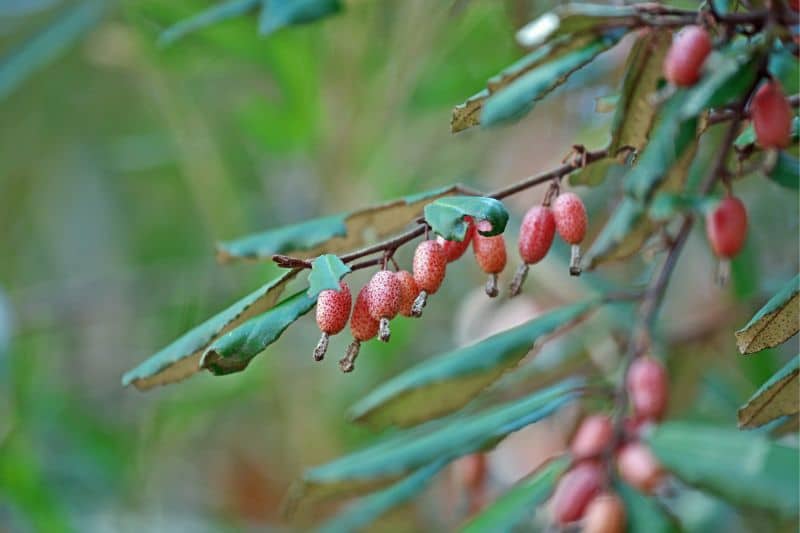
[(638, 466), (362, 326), (605, 514), (592, 437), (455, 249), (648, 388), (408, 291), (771, 114), (490, 253), (686, 56), (726, 227), (384, 296), (333, 310), (575, 490), (429, 267)]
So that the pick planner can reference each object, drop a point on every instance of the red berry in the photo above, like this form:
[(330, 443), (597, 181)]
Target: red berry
[(536, 234), (429, 266), (686, 56), (362, 325), (455, 249), (638, 466), (408, 291), (794, 4), (592, 438), (471, 470), (575, 490), (605, 514), (384, 294), (772, 116), (333, 309), (490, 252), (726, 227), (648, 386), (570, 217)]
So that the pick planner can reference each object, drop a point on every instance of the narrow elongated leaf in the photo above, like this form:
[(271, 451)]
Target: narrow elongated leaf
[(519, 503), (234, 351), (335, 233), (635, 112), (215, 14), (277, 14), (575, 19), (446, 383), (468, 114), (779, 396), (774, 323), (786, 171), (643, 513), (622, 235), (446, 215), (666, 205), (518, 98), (326, 272), (745, 468), (365, 511), (181, 358), (406, 451), (727, 75), (785, 67)]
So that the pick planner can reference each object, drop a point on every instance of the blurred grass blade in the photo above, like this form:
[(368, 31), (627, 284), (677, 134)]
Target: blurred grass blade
[(277, 14), (215, 14), (326, 272), (181, 358), (234, 351), (23, 60), (779, 396), (460, 435), (334, 233), (644, 514), (519, 502), (744, 468), (776, 322), (369, 509), (443, 384), (446, 215)]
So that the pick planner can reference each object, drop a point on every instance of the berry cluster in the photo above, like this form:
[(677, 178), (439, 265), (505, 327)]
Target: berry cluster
[(584, 492)]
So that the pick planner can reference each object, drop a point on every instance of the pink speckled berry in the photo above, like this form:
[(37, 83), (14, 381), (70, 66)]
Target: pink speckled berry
[(362, 325), (455, 249), (333, 310), (490, 252), (536, 234), (570, 218), (408, 293), (429, 266), (384, 294), (648, 388)]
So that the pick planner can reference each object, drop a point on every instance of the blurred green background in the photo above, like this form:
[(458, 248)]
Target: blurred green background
[(121, 163)]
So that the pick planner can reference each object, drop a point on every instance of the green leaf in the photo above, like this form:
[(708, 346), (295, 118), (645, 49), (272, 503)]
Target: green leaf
[(644, 514), (446, 383), (213, 15), (446, 215), (518, 98), (623, 234), (666, 205), (468, 114), (181, 358), (519, 503), (635, 112), (575, 19), (774, 323), (326, 272), (365, 511), (744, 468), (277, 14), (785, 67), (335, 233), (727, 76), (786, 171), (779, 396), (234, 351), (447, 439), (596, 173)]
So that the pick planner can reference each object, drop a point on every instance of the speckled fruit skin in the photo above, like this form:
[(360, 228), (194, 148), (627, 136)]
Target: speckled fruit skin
[(771, 114), (536, 234), (384, 294), (490, 252), (408, 291), (429, 266), (362, 325), (638, 466), (648, 388), (570, 217), (726, 227), (592, 437), (686, 56), (333, 309), (605, 514), (575, 490), (455, 249)]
